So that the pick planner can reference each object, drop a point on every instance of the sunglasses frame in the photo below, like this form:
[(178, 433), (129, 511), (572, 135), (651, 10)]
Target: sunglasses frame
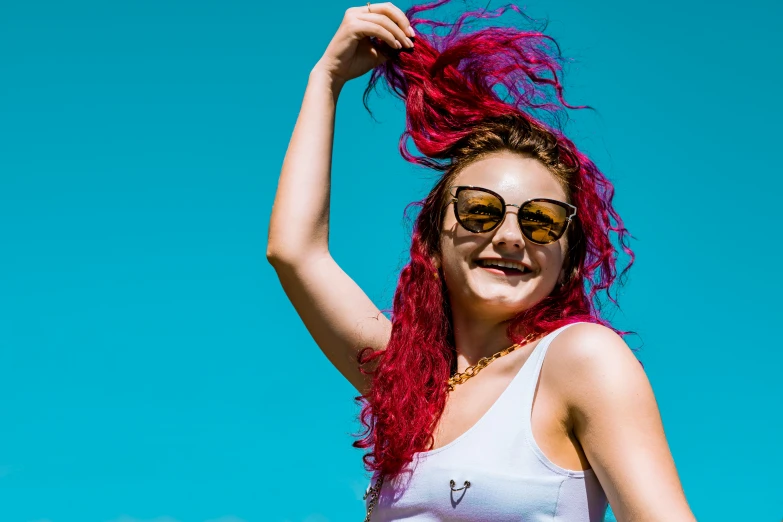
[(454, 191)]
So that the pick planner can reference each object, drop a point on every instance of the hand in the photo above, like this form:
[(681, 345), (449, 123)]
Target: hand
[(351, 53)]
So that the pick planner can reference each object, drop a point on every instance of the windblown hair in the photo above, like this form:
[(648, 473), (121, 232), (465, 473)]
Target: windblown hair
[(469, 94)]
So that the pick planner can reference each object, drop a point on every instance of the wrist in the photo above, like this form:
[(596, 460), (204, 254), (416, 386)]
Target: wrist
[(320, 76)]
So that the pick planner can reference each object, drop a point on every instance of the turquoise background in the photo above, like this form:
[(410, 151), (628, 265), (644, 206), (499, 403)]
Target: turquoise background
[(151, 368)]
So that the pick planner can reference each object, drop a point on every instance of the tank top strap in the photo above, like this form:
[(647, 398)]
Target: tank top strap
[(537, 360)]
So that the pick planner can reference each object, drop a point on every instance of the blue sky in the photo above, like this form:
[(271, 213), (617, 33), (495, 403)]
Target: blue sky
[(151, 369)]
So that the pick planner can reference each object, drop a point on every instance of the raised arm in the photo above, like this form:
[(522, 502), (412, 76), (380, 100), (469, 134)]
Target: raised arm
[(337, 313)]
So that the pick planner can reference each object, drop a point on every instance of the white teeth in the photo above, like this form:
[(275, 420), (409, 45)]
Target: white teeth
[(503, 263)]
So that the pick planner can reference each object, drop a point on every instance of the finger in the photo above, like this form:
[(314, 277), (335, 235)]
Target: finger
[(363, 28), (396, 14), (388, 24)]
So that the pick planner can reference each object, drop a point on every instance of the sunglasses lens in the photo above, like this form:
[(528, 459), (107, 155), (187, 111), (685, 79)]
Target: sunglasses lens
[(478, 211), (543, 222)]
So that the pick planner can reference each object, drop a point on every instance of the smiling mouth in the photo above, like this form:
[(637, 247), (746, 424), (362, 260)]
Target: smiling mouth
[(503, 267)]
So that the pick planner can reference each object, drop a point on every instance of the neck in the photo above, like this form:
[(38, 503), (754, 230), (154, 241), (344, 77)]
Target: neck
[(477, 337)]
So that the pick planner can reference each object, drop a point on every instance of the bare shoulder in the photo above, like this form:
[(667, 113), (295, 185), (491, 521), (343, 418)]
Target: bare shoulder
[(590, 360), (613, 413), (593, 344)]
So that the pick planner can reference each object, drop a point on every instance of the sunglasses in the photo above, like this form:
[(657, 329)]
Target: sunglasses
[(541, 220)]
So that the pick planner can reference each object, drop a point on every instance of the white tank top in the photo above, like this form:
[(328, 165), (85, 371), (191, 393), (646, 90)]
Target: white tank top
[(510, 477)]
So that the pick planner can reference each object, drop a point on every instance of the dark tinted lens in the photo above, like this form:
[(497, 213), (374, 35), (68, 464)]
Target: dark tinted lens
[(478, 211), (543, 222)]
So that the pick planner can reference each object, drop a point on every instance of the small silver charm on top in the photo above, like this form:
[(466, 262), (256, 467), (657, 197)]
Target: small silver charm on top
[(456, 499), (466, 485)]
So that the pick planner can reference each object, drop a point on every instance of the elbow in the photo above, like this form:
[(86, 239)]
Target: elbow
[(289, 256), (276, 256), (278, 251), (291, 245)]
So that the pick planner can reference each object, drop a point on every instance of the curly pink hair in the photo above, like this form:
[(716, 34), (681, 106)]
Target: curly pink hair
[(468, 95)]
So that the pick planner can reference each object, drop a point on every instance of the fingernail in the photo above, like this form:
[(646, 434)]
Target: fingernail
[(409, 42), (397, 44), (411, 32)]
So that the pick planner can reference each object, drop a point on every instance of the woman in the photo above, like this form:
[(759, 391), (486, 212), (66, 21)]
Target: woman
[(466, 419)]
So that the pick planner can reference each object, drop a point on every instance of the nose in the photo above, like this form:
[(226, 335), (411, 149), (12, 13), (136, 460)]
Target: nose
[(508, 233)]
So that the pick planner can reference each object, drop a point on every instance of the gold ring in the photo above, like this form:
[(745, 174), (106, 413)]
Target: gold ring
[(368, 7)]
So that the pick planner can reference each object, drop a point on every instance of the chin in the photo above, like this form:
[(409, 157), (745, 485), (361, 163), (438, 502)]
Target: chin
[(492, 298), (509, 303), (507, 307), (498, 305)]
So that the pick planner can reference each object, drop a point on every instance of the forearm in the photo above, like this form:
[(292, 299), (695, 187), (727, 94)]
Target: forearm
[(299, 224)]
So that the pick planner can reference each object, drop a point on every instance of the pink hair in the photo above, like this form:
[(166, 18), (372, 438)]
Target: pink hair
[(469, 94)]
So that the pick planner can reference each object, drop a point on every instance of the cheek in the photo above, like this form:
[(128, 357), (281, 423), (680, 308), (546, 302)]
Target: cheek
[(551, 261), (452, 257), (455, 256), (457, 245)]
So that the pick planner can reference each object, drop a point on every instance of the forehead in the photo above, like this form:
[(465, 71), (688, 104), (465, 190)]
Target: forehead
[(515, 177)]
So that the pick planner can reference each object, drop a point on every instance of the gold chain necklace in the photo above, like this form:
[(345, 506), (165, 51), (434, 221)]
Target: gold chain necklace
[(470, 371), (373, 493)]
